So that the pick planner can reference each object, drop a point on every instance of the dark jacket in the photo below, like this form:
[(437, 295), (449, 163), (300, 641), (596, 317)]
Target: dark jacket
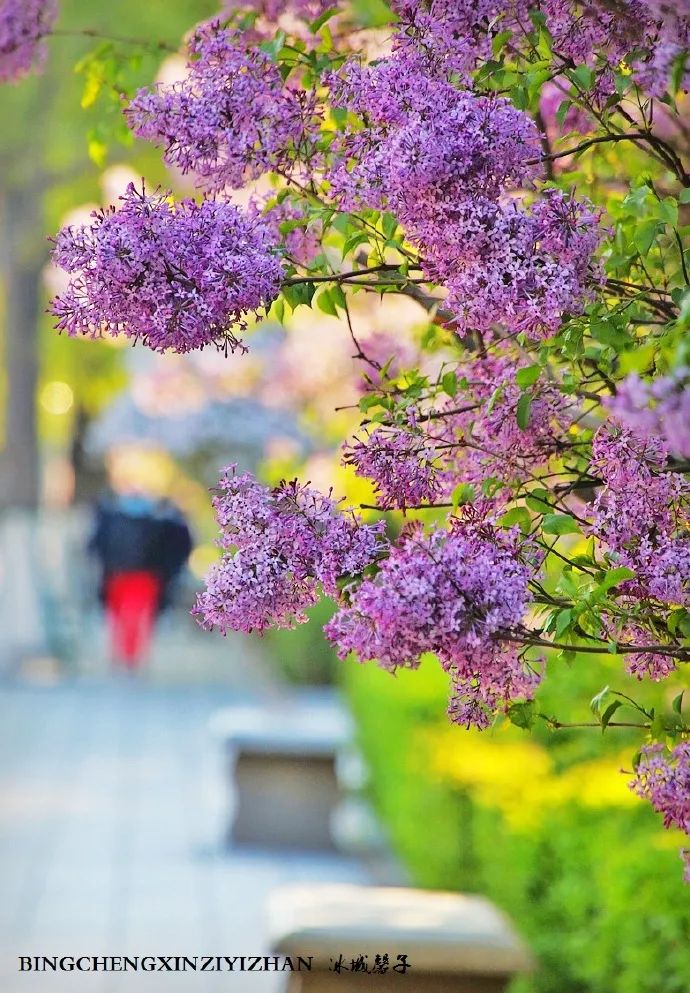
[(134, 533)]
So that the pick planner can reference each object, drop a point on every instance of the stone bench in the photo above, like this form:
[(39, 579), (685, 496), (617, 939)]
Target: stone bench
[(452, 943), (283, 766)]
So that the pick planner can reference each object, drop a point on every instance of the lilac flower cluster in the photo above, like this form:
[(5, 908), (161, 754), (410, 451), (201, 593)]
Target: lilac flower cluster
[(402, 464), (23, 26), (482, 436), (523, 270), (456, 593), (456, 35), (272, 10), (426, 143), (658, 408), (281, 546), (443, 160), (469, 439), (231, 119), (175, 276), (653, 664), (664, 780), (641, 514)]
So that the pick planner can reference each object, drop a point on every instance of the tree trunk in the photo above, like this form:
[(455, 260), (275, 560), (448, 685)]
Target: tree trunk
[(24, 251)]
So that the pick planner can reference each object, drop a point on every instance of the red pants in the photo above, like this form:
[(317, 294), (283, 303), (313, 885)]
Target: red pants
[(131, 600)]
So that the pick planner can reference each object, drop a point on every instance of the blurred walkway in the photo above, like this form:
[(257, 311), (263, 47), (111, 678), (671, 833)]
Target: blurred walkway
[(114, 806)]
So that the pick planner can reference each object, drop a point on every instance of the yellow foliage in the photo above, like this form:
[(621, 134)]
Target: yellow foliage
[(519, 777)]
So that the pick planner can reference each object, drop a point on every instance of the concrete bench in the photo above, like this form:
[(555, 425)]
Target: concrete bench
[(283, 766), (451, 943)]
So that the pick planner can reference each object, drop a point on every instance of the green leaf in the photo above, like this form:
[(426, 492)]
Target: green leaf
[(464, 493), (596, 701), (645, 235), (322, 18), (97, 149), (559, 524), (658, 728), (92, 88), (608, 713), (449, 383), (522, 715), (495, 397), (527, 377), (324, 302), (677, 704), (499, 41), (563, 619), (615, 576), (523, 410), (519, 516), (584, 76)]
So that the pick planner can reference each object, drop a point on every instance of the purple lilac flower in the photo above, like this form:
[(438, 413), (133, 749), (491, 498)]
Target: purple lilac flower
[(23, 26), (457, 35), (402, 464), (664, 780), (281, 547), (456, 593), (653, 665), (231, 119), (660, 407), (176, 276), (505, 266), (272, 10), (426, 140), (481, 432), (442, 160), (641, 514)]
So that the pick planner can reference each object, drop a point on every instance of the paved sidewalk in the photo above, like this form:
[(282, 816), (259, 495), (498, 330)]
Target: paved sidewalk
[(112, 813)]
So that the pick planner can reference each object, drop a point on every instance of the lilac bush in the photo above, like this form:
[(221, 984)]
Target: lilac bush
[(519, 171)]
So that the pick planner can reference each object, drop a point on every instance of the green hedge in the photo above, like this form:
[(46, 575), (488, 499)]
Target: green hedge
[(597, 891)]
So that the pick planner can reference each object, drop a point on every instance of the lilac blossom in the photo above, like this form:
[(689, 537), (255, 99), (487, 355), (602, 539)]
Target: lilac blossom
[(401, 463), (664, 780), (641, 514), (281, 547), (23, 26), (457, 593), (176, 276), (504, 266), (443, 161), (272, 10), (231, 119), (654, 665), (480, 430), (456, 35), (657, 408), (427, 143), (453, 35)]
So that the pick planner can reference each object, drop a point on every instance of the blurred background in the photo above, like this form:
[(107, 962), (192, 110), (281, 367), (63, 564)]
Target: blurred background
[(114, 807)]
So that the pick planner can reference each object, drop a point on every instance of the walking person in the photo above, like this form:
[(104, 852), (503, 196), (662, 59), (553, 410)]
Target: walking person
[(142, 545)]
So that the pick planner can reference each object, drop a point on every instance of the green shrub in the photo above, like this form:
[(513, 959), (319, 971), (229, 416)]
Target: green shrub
[(593, 880)]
